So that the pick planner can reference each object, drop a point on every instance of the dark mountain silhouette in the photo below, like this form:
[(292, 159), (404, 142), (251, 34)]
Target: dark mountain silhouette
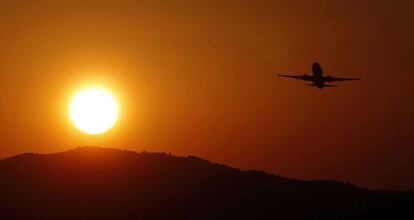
[(99, 183)]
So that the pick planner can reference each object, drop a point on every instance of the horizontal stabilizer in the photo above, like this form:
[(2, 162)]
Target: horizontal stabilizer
[(323, 86)]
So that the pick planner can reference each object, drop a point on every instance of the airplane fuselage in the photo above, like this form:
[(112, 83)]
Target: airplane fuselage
[(317, 77)]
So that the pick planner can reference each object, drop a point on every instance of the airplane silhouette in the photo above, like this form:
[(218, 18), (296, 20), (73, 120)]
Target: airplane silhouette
[(318, 79)]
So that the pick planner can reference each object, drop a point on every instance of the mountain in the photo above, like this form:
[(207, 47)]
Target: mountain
[(101, 183)]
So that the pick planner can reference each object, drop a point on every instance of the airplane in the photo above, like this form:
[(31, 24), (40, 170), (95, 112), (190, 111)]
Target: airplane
[(318, 79)]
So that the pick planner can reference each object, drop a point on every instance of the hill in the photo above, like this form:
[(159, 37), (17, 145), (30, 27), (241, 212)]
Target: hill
[(100, 183)]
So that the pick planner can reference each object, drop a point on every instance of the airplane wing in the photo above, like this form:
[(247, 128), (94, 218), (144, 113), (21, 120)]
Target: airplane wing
[(338, 79), (303, 77)]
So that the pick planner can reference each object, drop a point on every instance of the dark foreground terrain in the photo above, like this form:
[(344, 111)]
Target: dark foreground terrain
[(98, 183)]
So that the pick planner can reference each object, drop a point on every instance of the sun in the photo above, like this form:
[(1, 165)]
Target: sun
[(94, 111)]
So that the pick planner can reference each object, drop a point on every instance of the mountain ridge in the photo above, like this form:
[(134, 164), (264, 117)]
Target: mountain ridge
[(90, 182)]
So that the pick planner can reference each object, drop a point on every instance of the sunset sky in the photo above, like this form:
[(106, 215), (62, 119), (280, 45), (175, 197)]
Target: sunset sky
[(198, 78)]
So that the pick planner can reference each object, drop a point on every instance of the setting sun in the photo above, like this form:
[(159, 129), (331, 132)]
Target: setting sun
[(94, 111)]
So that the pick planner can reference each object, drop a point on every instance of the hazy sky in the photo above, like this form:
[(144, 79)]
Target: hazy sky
[(198, 78)]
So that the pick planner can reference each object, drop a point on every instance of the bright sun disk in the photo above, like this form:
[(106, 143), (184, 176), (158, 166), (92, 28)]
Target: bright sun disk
[(94, 111)]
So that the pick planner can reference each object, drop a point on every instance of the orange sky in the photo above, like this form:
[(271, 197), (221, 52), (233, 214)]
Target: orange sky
[(198, 78)]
